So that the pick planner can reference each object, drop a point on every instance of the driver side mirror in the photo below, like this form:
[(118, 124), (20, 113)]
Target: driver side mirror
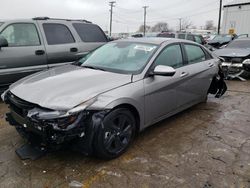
[(3, 42), (163, 70)]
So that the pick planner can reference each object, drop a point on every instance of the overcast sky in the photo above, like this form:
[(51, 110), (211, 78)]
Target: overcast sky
[(128, 14)]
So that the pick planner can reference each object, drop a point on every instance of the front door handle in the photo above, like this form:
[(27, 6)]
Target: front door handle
[(183, 74), (39, 52), (73, 50), (210, 64)]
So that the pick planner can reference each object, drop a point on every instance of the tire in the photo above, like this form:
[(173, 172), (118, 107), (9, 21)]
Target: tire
[(114, 137)]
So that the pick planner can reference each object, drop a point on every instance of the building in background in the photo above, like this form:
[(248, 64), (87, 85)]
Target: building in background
[(236, 18)]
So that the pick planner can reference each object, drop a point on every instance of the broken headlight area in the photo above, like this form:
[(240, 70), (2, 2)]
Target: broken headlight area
[(62, 123), (56, 119), (246, 64), (234, 67)]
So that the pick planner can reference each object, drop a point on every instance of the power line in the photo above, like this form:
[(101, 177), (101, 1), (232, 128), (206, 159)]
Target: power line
[(111, 4), (187, 11), (126, 19), (187, 16)]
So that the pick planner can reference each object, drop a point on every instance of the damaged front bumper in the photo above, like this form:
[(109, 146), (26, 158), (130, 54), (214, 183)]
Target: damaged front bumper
[(235, 69), (218, 86), (33, 123)]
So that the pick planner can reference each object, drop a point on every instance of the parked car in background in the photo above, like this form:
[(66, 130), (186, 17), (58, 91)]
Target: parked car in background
[(28, 46), (237, 58), (209, 37), (220, 41), (115, 92), (137, 35), (188, 36)]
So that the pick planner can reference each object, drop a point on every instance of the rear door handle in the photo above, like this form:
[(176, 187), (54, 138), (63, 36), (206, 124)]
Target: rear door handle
[(73, 50), (210, 64), (183, 74), (39, 52)]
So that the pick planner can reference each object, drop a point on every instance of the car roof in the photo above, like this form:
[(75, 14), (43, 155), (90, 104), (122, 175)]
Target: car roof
[(153, 40), (47, 19)]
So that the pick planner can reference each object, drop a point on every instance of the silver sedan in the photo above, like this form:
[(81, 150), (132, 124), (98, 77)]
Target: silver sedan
[(98, 104)]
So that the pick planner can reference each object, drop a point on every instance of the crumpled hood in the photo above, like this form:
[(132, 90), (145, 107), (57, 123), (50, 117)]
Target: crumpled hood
[(65, 87), (232, 52)]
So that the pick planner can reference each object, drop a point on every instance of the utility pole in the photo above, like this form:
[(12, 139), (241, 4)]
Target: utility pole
[(145, 14), (180, 23), (219, 16), (111, 4)]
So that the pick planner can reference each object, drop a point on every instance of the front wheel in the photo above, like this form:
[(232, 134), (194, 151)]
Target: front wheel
[(116, 134)]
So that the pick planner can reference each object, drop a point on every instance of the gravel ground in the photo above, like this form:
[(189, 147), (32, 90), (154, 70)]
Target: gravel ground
[(205, 146)]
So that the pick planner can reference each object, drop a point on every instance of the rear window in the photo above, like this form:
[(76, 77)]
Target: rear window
[(57, 34), (194, 54), (198, 39), (190, 37), (89, 32), (166, 35)]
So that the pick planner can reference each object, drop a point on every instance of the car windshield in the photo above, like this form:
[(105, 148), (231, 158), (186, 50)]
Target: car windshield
[(222, 38), (120, 57), (239, 44)]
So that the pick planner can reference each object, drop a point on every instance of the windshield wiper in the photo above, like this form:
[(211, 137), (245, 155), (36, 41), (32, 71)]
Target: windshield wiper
[(93, 67)]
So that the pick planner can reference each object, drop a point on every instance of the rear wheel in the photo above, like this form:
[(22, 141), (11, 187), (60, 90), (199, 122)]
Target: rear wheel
[(116, 134)]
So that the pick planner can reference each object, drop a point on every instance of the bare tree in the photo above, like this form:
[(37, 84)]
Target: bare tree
[(161, 26), (141, 28), (209, 25), (186, 23)]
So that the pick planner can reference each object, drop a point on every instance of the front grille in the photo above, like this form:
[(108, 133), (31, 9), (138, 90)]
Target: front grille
[(18, 105), (233, 59)]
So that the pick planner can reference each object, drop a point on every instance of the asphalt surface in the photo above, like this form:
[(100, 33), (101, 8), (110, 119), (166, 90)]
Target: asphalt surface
[(205, 146)]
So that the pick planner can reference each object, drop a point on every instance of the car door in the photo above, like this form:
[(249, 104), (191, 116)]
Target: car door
[(60, 44), (91, 37), (160, 92), (195, 76), (25, 53)]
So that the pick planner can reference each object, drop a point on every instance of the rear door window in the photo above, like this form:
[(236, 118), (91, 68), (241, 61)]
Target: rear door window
[(190, 37), (57, 34), (21, 34), (194, 53), (182, 36), (198, 39), (89, 32), (166, 35), (170, 56)]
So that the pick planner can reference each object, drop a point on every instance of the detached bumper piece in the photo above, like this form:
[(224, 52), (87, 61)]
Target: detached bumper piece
[(28, 151)]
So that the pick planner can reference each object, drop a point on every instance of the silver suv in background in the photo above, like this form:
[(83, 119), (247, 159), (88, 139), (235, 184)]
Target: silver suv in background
[(31, 45), (187, 36)]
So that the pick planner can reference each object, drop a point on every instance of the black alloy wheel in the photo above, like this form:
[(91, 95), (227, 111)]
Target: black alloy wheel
[(116, 134)]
